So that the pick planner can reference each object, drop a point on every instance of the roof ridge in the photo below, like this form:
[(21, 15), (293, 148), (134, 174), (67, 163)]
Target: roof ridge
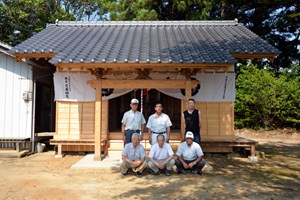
[(149, 23)]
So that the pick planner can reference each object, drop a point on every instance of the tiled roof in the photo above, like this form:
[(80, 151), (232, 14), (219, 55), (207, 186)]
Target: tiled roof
[(145, 42)]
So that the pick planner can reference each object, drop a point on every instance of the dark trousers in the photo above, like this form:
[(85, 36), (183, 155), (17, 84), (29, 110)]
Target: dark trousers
[(198, 167), (197, 138), (128, 135)]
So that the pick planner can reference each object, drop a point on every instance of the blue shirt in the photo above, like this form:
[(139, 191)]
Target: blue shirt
[(137, 153)]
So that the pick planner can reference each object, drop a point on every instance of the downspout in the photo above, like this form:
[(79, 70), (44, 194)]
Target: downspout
[(33, 117)]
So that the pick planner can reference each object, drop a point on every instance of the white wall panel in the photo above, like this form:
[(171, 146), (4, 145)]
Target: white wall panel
[(15, 113)]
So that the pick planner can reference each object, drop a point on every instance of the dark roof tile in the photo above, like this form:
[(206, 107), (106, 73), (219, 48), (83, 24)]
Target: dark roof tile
[(145, 42)]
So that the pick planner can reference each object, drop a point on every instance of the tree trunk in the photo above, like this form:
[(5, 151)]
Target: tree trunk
[(224, 6)]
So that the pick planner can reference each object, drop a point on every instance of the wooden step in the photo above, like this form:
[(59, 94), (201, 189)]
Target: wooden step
[(114, 153), (118, 136)]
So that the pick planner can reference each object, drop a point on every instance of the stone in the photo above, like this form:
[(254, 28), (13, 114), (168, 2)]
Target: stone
[(207, 168), (253, 158)]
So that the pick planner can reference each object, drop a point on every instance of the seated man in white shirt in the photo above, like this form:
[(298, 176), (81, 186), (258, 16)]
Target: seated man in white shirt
[(189, 156), (161, 157), (134, 157)]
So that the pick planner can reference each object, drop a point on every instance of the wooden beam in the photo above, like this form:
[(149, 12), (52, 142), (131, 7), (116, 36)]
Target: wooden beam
[(270, 56), (98, 121), (34, 55), (157, 84)]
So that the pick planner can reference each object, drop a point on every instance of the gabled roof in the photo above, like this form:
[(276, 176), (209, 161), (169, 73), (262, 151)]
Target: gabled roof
[(145, 42)]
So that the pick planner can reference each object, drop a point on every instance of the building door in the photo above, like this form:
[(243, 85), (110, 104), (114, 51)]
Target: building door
[(118, 106)]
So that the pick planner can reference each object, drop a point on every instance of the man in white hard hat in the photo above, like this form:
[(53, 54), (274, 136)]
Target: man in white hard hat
[(133, 122), (189, 156)]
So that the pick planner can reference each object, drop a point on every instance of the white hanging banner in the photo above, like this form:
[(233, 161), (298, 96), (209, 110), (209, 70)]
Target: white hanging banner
[(214, 87), (73, 87)]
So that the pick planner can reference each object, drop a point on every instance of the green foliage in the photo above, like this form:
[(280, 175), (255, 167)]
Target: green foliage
[(264, 100), (20, 19)]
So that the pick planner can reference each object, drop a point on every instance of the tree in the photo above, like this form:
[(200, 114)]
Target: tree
[(278, 22), (20, 19), (266, 100), (157, 10)]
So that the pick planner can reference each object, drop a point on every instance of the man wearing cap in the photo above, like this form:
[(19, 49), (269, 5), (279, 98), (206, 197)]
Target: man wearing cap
[(189, 156), (161, 157), (158, 123), (192, 120), (133, 122), (133, 157)]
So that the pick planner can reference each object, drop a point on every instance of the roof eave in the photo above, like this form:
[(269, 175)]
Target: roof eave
[(270, 56)]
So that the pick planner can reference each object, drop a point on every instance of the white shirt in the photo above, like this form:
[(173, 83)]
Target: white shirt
[(163, 153), (159, 123), (189, 152), (133, 120)]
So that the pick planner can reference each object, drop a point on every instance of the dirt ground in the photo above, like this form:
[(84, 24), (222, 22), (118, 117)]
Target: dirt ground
[(41, 176)]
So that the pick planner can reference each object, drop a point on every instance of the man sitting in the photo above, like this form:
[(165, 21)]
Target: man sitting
[(189, 156), (161, 157), (133, 157)]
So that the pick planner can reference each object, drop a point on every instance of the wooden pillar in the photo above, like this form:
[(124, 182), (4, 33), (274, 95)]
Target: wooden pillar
[(188, 95), (188, 90), (98, 121), (253, 150)]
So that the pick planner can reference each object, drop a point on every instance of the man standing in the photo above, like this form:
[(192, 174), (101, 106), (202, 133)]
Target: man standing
[(133, 157), (158, 123), (161, 157), (192, 120), (189, 156), (133, 122)]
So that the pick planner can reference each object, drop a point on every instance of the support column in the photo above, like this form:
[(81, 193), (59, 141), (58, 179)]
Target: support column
[(98, 121), (188, 95), (188, 89)]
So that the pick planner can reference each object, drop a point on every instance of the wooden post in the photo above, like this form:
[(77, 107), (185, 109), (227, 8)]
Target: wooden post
[(253, 150), (188, 95), (98, 121), (188, 90)]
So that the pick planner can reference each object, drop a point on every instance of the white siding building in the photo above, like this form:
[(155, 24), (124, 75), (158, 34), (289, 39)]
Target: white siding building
[(16, 86)]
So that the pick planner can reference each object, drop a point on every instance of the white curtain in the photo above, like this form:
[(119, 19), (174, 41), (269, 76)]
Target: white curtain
[(218, 87), (215, 87)]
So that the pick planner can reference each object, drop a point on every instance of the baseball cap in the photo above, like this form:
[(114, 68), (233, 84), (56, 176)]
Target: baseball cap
[(189, 134), (134, 101)]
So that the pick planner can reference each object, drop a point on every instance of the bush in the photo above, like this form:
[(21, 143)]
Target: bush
[(264, 100)]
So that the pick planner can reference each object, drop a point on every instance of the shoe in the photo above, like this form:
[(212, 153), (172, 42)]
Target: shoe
[(156, 173), (167, 172), (153, 173), (125, 174), (180, 171), (194, 171), (138, 174)]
